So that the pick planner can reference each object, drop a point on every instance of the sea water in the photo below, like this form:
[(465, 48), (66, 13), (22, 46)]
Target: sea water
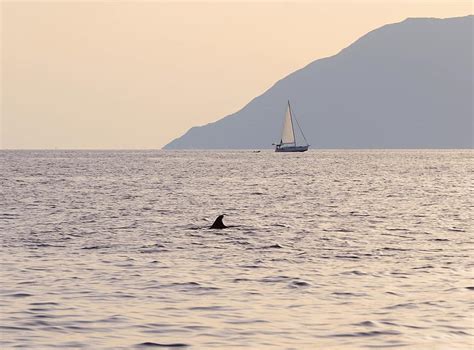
[(326, 249)]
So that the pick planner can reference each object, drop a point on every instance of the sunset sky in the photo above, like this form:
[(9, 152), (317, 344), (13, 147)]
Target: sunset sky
[(137, 74)]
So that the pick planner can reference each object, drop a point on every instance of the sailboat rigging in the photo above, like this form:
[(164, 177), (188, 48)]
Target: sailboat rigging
[(288, 139)]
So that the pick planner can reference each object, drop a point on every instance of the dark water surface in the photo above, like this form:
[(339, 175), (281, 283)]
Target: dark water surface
[(330, 250)]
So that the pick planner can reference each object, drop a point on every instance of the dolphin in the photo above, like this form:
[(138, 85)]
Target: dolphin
[(218, 224)]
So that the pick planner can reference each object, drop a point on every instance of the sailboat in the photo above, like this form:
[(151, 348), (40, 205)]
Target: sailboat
[(288, 140)]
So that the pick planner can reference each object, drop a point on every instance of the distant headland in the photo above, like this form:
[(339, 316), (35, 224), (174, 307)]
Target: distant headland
[(404, 85)]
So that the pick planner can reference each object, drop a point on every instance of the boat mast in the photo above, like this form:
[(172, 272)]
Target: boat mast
[(291, 118)]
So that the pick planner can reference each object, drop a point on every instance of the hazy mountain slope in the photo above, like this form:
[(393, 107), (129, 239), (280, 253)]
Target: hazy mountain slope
[(404, 85)]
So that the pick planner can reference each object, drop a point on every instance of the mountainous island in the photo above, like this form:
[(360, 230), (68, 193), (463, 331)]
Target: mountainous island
[(404, 85)]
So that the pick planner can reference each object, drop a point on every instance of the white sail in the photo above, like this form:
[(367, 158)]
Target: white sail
[(288, 140), (288, 135)]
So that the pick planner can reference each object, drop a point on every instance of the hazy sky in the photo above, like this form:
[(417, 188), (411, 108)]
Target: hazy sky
[(137, 74)]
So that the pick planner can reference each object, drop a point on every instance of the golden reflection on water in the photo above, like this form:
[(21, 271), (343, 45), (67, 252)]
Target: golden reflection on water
[(329, 249)]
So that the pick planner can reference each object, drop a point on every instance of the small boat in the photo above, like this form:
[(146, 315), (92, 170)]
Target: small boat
[(288, 140)]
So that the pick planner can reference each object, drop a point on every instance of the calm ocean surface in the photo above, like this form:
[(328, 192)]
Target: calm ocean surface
[(329, 250)]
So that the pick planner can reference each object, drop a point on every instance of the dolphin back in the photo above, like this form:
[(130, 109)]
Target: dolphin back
[(218, 224)]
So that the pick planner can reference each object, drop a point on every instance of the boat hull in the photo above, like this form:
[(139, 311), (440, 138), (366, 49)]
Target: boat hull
[(292, 149)]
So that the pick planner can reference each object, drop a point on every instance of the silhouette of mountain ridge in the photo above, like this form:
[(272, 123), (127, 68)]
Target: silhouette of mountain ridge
[(403, 85)]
